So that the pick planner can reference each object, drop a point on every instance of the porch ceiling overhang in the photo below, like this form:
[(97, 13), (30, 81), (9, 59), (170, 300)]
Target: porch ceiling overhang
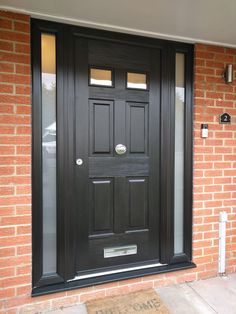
[(206, 21)]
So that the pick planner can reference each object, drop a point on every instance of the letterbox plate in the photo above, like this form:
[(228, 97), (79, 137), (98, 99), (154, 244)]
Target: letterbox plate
[(120, 251)]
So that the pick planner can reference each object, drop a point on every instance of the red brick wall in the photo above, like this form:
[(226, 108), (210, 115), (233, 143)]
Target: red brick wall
[(214, 157), (214, 171)]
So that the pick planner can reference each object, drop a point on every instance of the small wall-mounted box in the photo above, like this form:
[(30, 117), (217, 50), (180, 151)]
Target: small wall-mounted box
[(204, 128)]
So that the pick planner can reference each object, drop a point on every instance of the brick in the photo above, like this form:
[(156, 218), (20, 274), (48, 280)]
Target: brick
[(16, 220), (5, 45), (212, 188), (204, 55), (7, 252), (24, 109), (21, 190), (22, 48), (6, 170), (23, 290), (6, 89), (213, 173), (213, 204), (211, 235), (24, 250), (14, 57), (8, 190), (6, 108), (15, 16), (22, 69), (14, 36), (14, 119), (204, 70), (6, 67), (6, 24), (6, 211), (7, 293), (222, 180), (21, 27), (223, 57), (7, 272), (230, 173), (23, 270), (214, 64), (15, 180), (222, 165), (215, 49), (7, 231), (16, 99), (12, 241), (7, 130), (94, 295), (15, 140), (24, 90), (15, 78), (23, 170)]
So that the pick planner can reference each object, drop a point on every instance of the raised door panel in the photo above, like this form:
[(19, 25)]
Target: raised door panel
[(137, 127), (138, 203), (101, 206), (101, 127)]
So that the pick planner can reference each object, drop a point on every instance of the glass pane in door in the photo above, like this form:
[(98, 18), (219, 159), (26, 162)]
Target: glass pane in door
[(49, 144), (179, 153)]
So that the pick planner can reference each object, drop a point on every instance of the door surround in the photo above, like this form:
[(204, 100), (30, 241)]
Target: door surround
[(65, 278)]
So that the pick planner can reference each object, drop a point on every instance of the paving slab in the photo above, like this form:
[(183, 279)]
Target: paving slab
[(77, 309), (182, 299), (219, 293)]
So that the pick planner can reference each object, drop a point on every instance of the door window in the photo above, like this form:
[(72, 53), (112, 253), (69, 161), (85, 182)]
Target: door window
[(100, 77), (136, 80)]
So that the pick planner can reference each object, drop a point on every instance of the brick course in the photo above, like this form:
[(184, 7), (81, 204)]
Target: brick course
[(214, 172)]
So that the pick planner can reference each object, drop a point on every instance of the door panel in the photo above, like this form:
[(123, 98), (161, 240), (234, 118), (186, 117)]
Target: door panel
[(117, 200), (138, 203), (137, 127), (101, 206), (101, 127)]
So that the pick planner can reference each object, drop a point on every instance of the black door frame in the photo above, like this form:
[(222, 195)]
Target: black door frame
[(61, 280)]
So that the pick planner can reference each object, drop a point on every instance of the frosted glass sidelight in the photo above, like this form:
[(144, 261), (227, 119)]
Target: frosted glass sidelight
[(179, 154), (49, 156)]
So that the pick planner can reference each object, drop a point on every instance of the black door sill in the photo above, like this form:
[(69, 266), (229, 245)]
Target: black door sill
[(37, 291)]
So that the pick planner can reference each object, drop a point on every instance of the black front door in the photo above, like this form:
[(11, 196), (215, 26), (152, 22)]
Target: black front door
[(117, 101), (112, 192)]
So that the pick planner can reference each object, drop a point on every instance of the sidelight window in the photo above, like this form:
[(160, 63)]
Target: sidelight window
[(49, 149), (179, 153)]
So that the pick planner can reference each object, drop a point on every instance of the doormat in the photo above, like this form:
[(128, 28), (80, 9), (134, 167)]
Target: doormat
[(145, 301)]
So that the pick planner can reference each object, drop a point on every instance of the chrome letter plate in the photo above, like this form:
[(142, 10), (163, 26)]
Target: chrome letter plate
[(120, 251)]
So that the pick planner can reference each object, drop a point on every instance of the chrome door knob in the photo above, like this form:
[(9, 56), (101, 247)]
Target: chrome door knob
[(120, 149), (79, 162)]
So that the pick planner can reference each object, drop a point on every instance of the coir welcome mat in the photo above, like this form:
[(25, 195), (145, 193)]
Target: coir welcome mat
[(145, 301)]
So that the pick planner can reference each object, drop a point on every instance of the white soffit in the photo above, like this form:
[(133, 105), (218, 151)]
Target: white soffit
[(206, 21)]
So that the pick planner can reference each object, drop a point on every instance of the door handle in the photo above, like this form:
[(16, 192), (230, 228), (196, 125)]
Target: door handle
[(120, 149), (79, 162)]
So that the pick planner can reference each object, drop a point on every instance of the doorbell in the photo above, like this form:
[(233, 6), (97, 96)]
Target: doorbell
[(204, 128)]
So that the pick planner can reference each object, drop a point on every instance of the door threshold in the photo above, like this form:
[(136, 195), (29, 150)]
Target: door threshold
[(116, 271), (86, 282)]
